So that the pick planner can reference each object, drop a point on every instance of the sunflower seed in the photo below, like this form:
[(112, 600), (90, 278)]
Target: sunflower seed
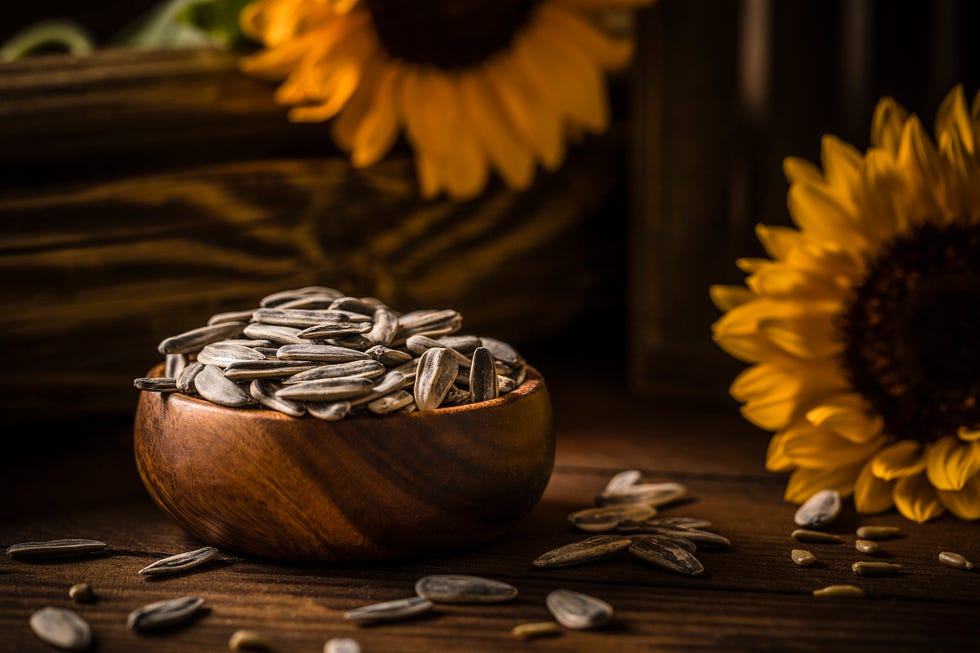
[(666, 554), (806, 535), (282, 335), (578, 611), (803, 558), (464, 344), (300, 318), (682, 542), (420, 344), (702, 537), (62, 629), (653, 494), (341, 645), (388, 356), (174, 364), (385, 327), (230, 316), (534, 629), (457, 396), (81, 593), (347, 387), (325, 353), (839, 590), (622, 480), (587, 550), (366, 368), (185, 382), (609, 518), (866, 546), (878, 532), (265, 369), (418, 320), (328, 411), (464, 589), (66, 548), (284, 296), (819, 510), (334, 330), (264, 392), (506, 384), (390, 403), (355, 342), (955, 560), (502, 351), (436, 371), (213, 386), (223, 354), (156, 383), (163, 613), (869, 568), (390, 610), (669, 523), (359, 305), (180, 562), (483, 376), (248, 640), (191, 341)]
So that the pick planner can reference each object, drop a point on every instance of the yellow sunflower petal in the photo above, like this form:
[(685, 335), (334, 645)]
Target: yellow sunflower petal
[(467, 173), (350, 118), (377, 132), (611, 53), (969, 435), (917, 155), (429, 175), (778, 241), (774, 396), (887, 124), (916, 498), (728, 297), (950, 462), (783, 281), (809, 337), (849, 416), (813, 447), (803, 483), (903, 458), (964, 503), (816, 211), (801, 170), (841, 164), (428, 108), (953, 117), (881, 195), (776, 458), (871, 494)]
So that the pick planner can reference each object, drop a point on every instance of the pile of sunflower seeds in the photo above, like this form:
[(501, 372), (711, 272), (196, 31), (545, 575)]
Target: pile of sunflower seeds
[(316, 351)]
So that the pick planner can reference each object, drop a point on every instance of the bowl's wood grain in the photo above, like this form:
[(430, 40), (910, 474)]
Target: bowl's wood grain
[(364, 488)]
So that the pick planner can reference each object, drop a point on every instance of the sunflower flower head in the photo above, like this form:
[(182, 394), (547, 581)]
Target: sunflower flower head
[(861, 327), (473, 86)]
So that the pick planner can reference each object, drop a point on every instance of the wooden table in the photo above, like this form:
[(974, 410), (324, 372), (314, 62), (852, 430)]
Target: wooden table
[(750, 598)]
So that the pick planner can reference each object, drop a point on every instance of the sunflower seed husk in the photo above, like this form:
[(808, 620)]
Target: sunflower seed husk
[(284, 296), (534, 629), (392, 382), (212, 384), (506, 384), (324, 353), (587, 550), (806, 535), (335, 330), (622, 480), (66, 548), (866, 546), (419, 344), (578, 611), (878, 532), (162, 384), (502, 351), (420, 320), (62, 629), (457, 397), (388, 356), (367, 368), (385, 327), (682, 542), (803, 558), (279, 334), (265, 369), (609, 518), (457, 588), (223, 354), (347, 387), (248, 640), (666, 554), (329, 411), (819, 510), (436, 372), (360, 305), (191, 341), (231, 316), (264, 392), (163, 613), (875, 568), (839, 590), (301, 318), (180, 562), (185, 382), (390, 610), (653, 494), (955, 560), (390, 403), (341, 645), (81, 593), (482, 378), (464, 344), (173, 365), (668, 523)]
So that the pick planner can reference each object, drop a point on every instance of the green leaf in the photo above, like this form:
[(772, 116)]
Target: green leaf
[(217, 18)]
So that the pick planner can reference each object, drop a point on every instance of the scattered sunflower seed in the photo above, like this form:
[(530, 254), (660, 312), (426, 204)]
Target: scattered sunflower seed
[(682, 542), (180, 562), (652, 494), (875, 568), (608, 518), (839, 590), (803, 558), (156, 383), (806, 535), (66, 548), (81, 593), (390, 610), (819, 510), (878, 532), (597, 547), (535, 629), (61, 628), (670, 523), (578, 611), (464, 589), (622, 480), (341, 645), (248, 640), (163, 613), (869, 547), (666, 554), (955, 560)]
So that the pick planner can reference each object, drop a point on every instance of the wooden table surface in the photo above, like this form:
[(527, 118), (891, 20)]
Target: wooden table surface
[(750, 598)]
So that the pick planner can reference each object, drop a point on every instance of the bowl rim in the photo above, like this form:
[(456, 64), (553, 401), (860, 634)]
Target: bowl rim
[(533, 383)]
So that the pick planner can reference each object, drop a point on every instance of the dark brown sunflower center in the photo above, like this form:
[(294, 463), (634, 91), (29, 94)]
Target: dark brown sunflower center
[(912, 332), (448, 34)]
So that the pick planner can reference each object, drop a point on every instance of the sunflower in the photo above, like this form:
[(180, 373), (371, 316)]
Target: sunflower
[(473, 85), (862, 326)]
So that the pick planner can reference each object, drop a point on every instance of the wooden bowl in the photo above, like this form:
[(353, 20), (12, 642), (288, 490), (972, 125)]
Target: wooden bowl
[(368, 487)]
